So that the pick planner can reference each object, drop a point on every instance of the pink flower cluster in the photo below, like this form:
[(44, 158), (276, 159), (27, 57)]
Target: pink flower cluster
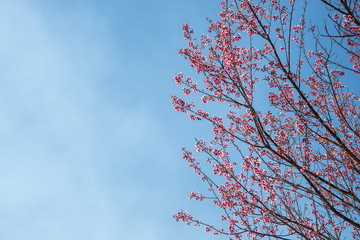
[(284, 158)]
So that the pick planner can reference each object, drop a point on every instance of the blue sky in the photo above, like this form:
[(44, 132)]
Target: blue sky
[(89, 141), (90, 144)]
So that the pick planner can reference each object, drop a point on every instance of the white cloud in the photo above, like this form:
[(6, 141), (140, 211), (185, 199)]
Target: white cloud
[(60, 139), (50, 185)]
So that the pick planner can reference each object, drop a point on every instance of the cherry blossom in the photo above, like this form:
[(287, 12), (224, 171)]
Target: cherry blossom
[(284, 158)]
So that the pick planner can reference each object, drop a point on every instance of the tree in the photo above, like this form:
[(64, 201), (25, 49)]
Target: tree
[(285, 155)]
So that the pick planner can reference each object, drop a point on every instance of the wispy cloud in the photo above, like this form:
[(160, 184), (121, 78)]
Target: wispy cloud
[(49, 179), (85, 151)]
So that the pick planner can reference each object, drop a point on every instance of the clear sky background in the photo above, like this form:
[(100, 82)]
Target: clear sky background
[(89, 141)]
